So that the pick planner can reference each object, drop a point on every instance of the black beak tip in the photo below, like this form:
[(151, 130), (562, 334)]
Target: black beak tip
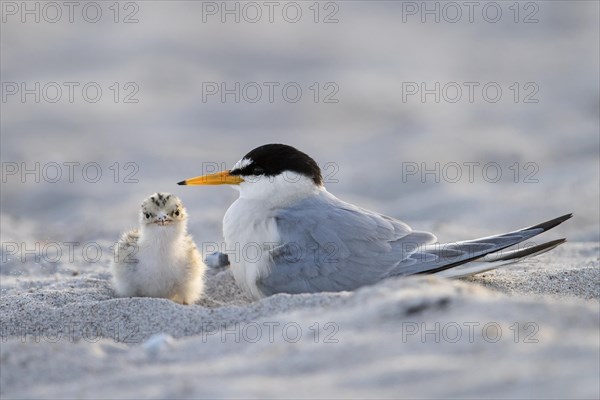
[(182, 183)]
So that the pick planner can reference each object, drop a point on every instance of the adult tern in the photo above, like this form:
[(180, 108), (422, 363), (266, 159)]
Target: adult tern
[(308, 240)]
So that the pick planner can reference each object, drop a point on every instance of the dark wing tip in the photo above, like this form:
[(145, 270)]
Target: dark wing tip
[(558, 241), (182, 183), (532, 250), (550, 224)]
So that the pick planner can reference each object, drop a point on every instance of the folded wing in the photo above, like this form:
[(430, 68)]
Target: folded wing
[(330, 245)]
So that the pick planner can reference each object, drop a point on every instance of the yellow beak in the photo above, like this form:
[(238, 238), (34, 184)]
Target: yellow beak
[(218, 178)]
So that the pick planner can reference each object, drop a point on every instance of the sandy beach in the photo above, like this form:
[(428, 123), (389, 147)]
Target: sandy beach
[(467, 123), (529, 330)]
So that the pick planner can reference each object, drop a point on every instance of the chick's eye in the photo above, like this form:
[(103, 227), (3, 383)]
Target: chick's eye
[(147, 216), (177, 213), (258, 171)]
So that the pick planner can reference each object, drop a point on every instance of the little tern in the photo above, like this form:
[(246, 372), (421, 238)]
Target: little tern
[(311, 241), (160, 259)]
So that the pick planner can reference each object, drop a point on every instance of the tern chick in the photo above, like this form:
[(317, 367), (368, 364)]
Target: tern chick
[(160, 258)]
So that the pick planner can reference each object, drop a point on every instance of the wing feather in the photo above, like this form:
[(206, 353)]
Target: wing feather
[(331, 245)]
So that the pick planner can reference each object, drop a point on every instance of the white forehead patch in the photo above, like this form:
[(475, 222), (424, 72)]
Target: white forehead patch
[(243, 163)]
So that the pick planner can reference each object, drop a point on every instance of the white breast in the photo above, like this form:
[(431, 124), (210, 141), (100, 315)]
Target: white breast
[(163, 262), (249, 230), (249, 225)]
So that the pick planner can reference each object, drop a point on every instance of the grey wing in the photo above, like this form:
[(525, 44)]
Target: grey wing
[(442, 257), (330, 245)]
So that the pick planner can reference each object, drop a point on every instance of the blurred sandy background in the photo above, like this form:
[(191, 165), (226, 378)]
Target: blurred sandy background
[(368, 142), (373, 49)]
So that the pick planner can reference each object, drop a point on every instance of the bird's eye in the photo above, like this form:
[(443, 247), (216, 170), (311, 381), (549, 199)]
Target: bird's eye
[(177, 213), (258, 171), (147, 216)]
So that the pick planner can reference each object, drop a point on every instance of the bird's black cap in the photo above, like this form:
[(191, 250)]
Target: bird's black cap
[(274, 159)]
